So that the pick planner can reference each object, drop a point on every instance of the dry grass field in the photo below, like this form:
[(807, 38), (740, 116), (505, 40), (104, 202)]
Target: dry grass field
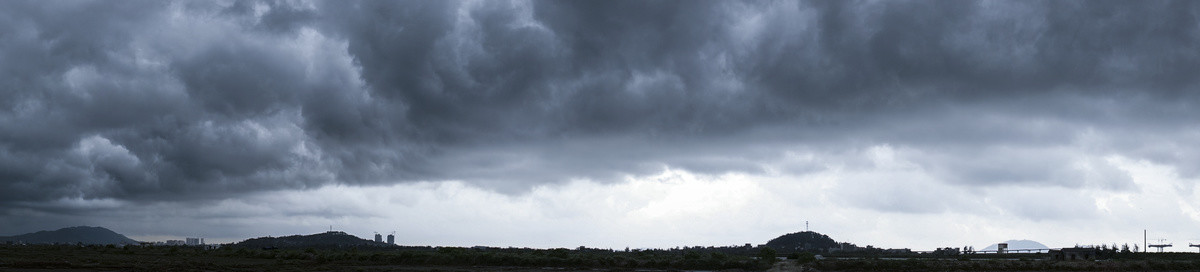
[(48, 258)]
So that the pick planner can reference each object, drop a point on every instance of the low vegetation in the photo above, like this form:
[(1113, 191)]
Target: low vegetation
[(159, 258), (185, 258), (338, 251)]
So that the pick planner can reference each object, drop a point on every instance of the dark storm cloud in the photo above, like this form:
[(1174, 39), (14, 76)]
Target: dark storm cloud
[(154, 101)]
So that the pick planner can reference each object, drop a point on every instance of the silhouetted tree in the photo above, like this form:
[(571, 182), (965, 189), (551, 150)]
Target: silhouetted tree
[(767, 254)]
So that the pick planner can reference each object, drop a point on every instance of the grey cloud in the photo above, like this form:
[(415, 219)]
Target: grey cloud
[(272, 95), (271, 16), (1029, 204), (176, 127), (997, 49), (1030, 167)]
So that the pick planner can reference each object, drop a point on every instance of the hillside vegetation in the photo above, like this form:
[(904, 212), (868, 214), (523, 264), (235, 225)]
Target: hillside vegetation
[(72, 235)]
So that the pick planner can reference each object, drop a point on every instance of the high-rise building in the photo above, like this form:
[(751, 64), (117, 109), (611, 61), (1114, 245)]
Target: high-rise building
[(392, 239), (192, 241), (378, 238)]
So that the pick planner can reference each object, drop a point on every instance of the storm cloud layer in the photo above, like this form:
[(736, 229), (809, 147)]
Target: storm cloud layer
[(161, 101)]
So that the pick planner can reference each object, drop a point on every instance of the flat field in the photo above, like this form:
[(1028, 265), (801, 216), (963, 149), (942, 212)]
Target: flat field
[(48, 258)]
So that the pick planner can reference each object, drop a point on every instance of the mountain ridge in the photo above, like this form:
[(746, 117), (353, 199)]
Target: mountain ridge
[(1019, 245), (73, 235), (329, 239)]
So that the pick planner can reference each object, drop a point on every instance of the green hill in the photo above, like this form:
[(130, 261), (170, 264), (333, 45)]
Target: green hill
[(802, 241), (332, 239), (73, 235)]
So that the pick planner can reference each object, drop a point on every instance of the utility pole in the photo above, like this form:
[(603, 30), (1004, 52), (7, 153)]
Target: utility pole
[(1144, 243), (805, 225)]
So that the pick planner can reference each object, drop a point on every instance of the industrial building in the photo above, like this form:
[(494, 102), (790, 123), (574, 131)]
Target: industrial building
[(1073, 254)]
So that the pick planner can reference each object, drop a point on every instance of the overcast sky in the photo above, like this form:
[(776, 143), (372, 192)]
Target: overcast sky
[(604, 123)]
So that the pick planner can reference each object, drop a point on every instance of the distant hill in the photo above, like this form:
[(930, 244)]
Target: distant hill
[(73, 235), (805, 240), (1018, 244), (332, 239)]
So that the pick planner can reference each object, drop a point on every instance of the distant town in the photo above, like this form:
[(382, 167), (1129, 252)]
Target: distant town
[(185, 242)]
